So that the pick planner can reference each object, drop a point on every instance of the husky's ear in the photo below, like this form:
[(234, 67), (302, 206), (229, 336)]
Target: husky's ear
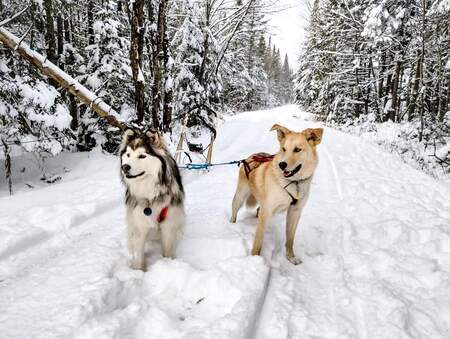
[(313, 135), (281, 131), (155, 138), (128, 136)]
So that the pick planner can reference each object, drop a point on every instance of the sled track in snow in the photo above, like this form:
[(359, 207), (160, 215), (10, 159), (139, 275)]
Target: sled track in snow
[(254, 328), (335, 171)]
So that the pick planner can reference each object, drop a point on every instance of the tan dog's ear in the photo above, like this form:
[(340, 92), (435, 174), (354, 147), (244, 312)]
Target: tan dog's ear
[(155, 138), (313, 135), (281, 131)]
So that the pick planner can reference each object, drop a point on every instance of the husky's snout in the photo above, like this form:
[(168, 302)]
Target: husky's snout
[(126, 168), (126, 171)]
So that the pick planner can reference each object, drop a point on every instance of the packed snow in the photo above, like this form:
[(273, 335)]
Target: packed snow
[(374, 239)]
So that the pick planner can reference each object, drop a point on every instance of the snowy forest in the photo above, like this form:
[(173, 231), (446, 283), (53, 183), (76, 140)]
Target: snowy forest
[(224, 169), (378, 61), (153, 62)]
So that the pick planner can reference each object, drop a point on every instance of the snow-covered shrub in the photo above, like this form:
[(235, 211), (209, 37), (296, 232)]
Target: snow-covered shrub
[(33, 115)]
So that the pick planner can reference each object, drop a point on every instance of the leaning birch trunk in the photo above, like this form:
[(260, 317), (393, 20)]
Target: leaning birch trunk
[(63, 79)]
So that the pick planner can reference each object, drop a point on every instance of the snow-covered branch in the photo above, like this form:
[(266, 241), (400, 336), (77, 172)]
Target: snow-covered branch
[(63, 79)]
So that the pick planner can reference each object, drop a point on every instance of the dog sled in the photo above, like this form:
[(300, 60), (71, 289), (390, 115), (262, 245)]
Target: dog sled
[(194, 145)]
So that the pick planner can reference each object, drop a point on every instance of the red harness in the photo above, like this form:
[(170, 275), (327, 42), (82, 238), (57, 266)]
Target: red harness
[(257, 158), (163, 215)]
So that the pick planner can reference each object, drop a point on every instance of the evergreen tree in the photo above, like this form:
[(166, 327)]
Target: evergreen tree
[(286, 81), (365, 59)]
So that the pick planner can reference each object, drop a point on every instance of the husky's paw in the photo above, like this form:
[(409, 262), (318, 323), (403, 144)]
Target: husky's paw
[(137, 265), (294, 260), (233, 220)]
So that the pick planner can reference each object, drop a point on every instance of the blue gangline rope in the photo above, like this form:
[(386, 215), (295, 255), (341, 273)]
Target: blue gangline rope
[(195, 166)]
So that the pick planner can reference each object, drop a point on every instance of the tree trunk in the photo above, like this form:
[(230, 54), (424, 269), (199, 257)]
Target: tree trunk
[(137, 57), (67, 36), (168, 86), (381, 75), (445, 104), (358, 96), (60, 30), (152, 47), (415, 89), (422, 80), (158, 63), (73, 28), (201, 75), (439, 83), (393, 109), (376, 89), (50, 31), (90, 15), (7, 165), (399, 96)]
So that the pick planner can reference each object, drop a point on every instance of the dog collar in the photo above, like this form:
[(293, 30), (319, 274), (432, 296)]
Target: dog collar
[(297, 182)]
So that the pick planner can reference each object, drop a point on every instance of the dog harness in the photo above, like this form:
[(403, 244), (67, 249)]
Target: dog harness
[(162, 215), (298, 182), (257, 159)]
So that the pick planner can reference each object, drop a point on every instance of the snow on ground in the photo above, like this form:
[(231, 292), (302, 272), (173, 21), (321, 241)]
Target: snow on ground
[(374, 239), (402, 139)]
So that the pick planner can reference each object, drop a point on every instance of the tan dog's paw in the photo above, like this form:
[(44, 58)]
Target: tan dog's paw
[(294, 260), (256, 251)]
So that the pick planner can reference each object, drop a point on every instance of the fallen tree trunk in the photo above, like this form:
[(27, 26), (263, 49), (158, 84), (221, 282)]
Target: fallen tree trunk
[(63, 79)]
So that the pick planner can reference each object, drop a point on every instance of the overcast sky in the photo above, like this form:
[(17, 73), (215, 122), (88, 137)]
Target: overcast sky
[(287, 27)]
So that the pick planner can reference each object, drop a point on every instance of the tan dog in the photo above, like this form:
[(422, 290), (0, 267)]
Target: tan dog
[(279, 184)]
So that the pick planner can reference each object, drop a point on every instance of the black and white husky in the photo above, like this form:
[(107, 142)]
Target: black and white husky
[(154, 196)]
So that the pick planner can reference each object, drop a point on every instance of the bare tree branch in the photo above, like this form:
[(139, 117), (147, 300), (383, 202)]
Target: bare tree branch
[(7, 21)]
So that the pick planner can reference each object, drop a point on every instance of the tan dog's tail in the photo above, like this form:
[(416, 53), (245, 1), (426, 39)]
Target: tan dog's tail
[(251, 201)]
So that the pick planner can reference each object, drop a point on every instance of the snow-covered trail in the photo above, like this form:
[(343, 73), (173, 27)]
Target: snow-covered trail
[(374, 239)]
